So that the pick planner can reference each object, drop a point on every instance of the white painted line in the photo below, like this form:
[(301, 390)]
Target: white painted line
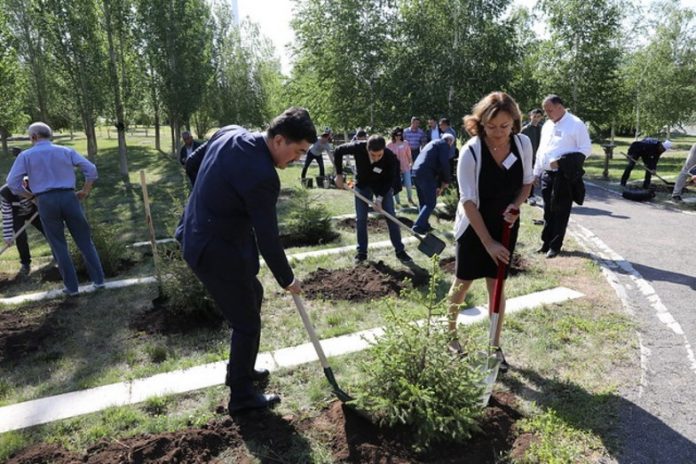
[(44, 410), (82, 289), (345, 249), (611, 260)]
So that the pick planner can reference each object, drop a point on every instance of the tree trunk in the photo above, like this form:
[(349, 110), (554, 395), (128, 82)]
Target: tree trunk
[(91, 134), (5, 149)]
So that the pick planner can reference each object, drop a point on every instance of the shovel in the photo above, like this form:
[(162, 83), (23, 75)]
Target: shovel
[(340, 394), (651, 171), (429, 244), (18, 233), (492, 363)]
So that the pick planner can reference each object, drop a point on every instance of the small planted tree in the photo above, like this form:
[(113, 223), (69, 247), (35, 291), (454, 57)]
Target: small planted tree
[(308, 222), (413, 380), (113, 253)]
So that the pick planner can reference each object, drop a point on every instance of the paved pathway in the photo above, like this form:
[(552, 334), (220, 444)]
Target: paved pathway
[(647, 252)]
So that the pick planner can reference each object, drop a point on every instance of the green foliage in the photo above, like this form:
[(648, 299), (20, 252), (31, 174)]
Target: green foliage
[(12, 84), (309, 221), (181, 289), (451, 201), (157, 405), (157, 352), (557, 442), (112, 252), (412, 378), (11, 442)]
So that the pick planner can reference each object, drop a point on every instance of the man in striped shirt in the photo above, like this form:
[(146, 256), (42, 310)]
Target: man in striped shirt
[(415, 137)]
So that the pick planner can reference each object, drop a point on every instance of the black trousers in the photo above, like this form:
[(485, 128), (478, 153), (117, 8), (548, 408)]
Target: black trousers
[(649, 161), (21, 240), (240, 303), (308, 160), (556, 220)]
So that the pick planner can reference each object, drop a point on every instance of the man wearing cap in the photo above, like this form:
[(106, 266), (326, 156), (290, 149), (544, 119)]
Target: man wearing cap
[(51, 169), (432, 173), (648, 150), (564, 145), (316, 153), (377, 172), (415, 136)]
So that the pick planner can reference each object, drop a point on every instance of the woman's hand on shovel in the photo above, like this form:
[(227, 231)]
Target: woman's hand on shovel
[(498, 252), (295, 288), (511, 214)]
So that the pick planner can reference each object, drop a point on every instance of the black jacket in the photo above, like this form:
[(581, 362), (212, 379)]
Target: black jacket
[(183, 154), (380, 177), (568, 180)]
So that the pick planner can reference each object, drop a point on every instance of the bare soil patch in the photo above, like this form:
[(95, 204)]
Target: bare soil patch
[(160, 319), (52, 274), (24, 330), (298, 240), (352, 439), (360, 283)]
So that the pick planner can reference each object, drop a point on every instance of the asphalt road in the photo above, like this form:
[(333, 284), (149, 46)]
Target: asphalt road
[(650, 251)]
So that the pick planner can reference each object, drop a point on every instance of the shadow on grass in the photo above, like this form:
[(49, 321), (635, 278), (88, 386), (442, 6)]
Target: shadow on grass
[(630, 433), (271, 438)]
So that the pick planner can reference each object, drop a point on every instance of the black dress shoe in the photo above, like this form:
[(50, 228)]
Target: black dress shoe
[(260, 375), (256, 401), (544, 249), (551, 253)]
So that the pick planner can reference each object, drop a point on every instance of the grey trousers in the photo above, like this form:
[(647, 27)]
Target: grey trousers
[(684, 174)]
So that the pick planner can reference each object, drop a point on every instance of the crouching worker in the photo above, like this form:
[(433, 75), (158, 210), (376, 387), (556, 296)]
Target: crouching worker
[(229, 218), (377, 172), (16, 211)]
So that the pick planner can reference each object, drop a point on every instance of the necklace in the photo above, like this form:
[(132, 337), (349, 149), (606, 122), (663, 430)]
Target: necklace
[(495, 149)]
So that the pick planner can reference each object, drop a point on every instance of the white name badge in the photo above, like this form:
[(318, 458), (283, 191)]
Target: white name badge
[(509, 161), (377, 170), (558, 133)]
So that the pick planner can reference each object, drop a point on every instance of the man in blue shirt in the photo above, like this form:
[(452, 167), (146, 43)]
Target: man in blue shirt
[(415, 136), (51, 171), (231, 217), (432, 173)]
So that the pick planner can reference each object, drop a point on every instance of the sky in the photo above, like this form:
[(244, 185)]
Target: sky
[(273, 18)]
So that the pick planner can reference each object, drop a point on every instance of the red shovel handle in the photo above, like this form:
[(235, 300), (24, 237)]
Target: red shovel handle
[(500, 277)]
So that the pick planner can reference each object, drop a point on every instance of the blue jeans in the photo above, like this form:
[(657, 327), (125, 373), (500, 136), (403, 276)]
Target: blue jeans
[(406, 182), (361, 210), (426, 188), (60, 208)]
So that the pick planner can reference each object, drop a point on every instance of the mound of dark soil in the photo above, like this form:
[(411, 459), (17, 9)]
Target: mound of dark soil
[(360, 283), (23, 330), (161, 319), (52, 274), (374, 224), (297, 240), (518, 265), (8, 280), (353, 440)]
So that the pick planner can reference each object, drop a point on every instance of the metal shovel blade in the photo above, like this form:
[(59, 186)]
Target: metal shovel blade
[(430, 245)]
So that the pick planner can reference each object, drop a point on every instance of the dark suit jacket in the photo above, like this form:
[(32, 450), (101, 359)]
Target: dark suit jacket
[(433, 161), (182, 152), (380, 176), (231, 213)]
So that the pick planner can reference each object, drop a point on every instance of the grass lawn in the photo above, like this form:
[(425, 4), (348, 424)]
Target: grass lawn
[(568, 393)]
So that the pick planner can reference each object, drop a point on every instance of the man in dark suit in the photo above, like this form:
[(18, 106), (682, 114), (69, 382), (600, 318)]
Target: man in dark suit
[(188, 147), (229, 218)]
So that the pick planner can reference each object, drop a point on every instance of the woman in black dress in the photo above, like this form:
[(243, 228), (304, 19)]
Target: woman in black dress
[(495, 177)]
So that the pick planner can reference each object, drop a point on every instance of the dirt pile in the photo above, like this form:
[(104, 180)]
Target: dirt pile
[(360, 283)]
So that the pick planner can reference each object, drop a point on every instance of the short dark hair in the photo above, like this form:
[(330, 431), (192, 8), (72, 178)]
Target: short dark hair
[(361, 133), (294, 124), (397, 131), (554, 99), (445, 121), (537, 111), (376, 143), (415, 118)]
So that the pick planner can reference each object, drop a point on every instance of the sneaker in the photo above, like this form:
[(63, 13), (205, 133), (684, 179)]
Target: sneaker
[(360, 258), (67, 292), (504, 366), (403, 257), (551, 253), (677, 198), (98, 286), (25, 270)]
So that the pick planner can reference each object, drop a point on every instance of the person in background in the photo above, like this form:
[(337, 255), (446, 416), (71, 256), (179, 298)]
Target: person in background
[(533, 130), (433, 131), (649, 150), (402, 150), (415, 137), (494, 173), (51, 169), (565, 143), (188, 147), (316, 153), (688, 173), (377, 169), (230, 217), (16, 211), (432, 173), (446, 128)]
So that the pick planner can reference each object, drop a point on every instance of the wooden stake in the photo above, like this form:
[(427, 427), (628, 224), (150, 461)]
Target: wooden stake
[(150, 224)]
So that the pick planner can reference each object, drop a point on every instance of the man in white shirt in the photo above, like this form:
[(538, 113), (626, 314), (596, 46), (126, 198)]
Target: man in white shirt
[(563, 135)]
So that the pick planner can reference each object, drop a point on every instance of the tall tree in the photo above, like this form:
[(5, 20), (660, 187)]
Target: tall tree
[(178, 40), (75, 38), (581, 59), (12, 85)]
